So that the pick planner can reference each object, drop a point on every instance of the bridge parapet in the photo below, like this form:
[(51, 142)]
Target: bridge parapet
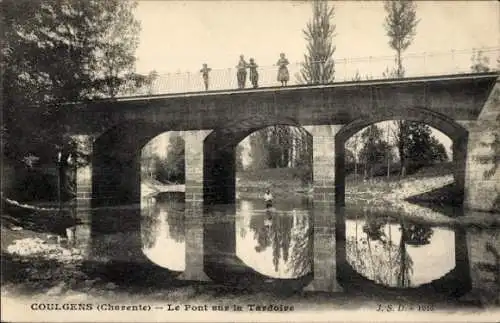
[(346, 69)]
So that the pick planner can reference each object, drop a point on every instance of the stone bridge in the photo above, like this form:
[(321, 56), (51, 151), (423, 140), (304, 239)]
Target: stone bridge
[(464, 107), (461, 106)]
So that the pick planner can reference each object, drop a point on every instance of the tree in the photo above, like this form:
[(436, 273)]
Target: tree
[(116, 53), (404, 263), (318, 65), (354, 145), (239, 157), (53, 53), (374, 150), (148, 160), (400, 24), (172, 168), (418, 146), (280, 146), (149, 81), (258, 150), (437, 151), (417, 234), (480, 63)]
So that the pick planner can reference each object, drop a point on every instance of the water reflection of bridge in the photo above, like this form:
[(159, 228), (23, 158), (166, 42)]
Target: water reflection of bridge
[(245, 246)]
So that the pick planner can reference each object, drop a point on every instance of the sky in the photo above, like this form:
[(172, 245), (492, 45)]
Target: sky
[(179, 36)]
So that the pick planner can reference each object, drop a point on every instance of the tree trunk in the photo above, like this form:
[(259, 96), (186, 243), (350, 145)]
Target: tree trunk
[(401, 147), (400, 64), (388, 153)]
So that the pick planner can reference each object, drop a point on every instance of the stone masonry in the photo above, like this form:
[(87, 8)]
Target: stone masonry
[(482, 189)]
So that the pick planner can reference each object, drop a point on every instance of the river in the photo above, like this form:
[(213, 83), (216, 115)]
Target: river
[(293, 243)]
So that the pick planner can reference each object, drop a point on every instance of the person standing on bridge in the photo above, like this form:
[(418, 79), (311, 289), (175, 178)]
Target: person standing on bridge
[(254, 75), (204, 73), (242, 72), (283, 75)]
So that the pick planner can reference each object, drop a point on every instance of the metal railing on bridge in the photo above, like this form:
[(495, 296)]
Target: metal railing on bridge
[(346, 69)]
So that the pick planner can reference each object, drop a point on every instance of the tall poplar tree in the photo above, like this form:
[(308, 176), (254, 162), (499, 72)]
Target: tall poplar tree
[(318, 65), (401, 25)]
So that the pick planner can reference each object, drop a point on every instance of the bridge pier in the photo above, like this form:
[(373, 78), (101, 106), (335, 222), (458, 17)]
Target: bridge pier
[(482, 188), (324, 250), (194, 161), (194, 269), (482, 176), (84, 173), (324, 161), (116, 170), (219, 173)]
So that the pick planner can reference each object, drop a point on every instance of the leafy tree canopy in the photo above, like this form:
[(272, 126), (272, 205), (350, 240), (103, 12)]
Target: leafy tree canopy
[(59, 51)]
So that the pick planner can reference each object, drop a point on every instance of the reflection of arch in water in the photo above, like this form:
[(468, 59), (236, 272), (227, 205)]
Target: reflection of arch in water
[(457, 133), (220, 259), (456, 282), (399, 254), (281, 248), (164, 240)]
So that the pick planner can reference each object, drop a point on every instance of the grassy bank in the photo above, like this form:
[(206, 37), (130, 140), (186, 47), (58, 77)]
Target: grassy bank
[(295, 181), (428, 195), (284, 183)]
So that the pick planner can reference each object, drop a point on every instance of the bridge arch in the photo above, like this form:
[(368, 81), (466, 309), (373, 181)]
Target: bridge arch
[(116, 161), (347, 276), (456, 132), (219, 153), (116, 197)]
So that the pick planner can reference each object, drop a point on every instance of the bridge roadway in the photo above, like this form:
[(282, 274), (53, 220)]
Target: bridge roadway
[(459, 97)]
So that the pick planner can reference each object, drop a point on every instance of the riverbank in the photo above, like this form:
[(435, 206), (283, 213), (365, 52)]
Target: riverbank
[(150, 187), (283, 182), (427, 196), (295, 181)]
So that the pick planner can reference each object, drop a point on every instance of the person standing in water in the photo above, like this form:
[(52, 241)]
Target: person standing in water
[(283, 75), (242, 72), (268, 198), (254, 75), (204, 73)]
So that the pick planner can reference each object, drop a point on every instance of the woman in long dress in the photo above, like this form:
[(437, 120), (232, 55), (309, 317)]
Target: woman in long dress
[(283, 75)]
